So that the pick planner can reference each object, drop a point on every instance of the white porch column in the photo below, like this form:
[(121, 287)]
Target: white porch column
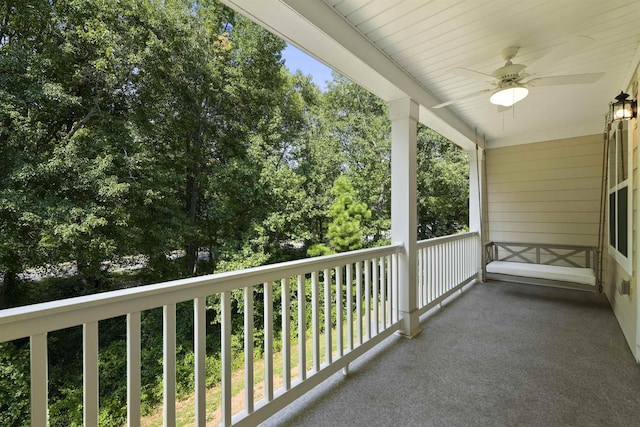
[(403, 114), (476, 200)]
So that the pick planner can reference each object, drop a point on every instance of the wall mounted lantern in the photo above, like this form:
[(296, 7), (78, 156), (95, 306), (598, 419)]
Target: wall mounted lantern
[(622, 108)]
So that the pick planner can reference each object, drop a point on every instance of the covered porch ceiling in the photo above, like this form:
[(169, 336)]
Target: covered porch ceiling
[(407, 48)]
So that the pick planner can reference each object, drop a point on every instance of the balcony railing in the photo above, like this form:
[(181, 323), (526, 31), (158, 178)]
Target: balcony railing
[(353, 307), (445, 265)]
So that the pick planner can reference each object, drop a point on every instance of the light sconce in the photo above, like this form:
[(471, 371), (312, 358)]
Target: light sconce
[(622, 108), (507, 95)]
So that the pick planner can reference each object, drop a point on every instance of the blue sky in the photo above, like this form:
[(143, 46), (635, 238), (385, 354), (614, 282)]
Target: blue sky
[(296, 59)]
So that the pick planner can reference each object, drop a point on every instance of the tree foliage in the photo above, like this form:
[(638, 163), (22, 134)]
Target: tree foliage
[(347, 214), (172, 133), (443, 186)]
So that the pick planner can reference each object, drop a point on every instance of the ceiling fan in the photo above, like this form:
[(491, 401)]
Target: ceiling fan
[(510, 80)]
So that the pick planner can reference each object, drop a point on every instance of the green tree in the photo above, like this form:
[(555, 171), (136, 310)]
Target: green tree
[(358, 120), (443, 186), (347, 214), (67, 152)]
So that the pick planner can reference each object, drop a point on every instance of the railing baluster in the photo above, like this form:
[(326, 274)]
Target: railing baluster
[(225, 299), (268, 341), (169, 368), (315, 321), (349, 293), (429, 274), (39, 380), (367, 297), (394, 288), (200, 357), (328, 356), (383, 292), (448, 249), (467, 259), (359, 302), (90, 400), (389, 289), (444, 269), (133, 369), (458, 272), (447, 260), (286, 334), (339, 317), (302, 328), (470, 259), (471, 263), (452, 272), (420, 278), (441, 269), (376, 295), (424, 291), (248, 350)]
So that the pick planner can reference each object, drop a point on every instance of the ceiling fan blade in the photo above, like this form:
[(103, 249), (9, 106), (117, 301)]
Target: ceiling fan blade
[(558, 53), (476, 75), (467, 96), (572, 79)]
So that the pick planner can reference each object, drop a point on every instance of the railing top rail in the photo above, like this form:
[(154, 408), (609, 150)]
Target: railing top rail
[(21, 322), (439, 240)]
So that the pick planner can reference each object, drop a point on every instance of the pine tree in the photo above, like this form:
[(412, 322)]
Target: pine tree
[(346, 213)]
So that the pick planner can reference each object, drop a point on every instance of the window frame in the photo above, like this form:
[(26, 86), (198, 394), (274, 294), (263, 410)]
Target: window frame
[(618, 135)]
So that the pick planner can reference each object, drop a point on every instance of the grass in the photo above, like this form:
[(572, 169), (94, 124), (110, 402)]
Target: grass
[(185, 409)]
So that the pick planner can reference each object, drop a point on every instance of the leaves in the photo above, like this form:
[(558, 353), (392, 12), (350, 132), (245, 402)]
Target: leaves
[(171, 132)]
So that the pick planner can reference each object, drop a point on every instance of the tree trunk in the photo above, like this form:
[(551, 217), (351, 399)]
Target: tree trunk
[(191, 247), (193, 194), (9, 284)]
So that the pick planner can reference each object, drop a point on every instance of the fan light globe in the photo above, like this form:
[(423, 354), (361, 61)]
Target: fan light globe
[(509, 95)]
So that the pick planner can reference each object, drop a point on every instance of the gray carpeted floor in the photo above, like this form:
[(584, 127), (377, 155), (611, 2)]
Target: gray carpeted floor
[(502, 354)]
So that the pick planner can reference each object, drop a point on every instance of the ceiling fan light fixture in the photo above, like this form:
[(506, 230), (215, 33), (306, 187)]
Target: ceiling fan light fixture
[(507, 96)]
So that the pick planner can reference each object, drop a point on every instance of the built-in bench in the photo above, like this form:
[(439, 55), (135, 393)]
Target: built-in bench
[(565, 266)]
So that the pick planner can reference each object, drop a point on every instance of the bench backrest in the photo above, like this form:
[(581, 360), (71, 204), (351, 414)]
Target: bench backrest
[(540, 253)]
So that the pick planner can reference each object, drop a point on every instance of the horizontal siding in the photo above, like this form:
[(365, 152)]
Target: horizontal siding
[(551, 195), (560, 149), (561, 146), (562, 173), (553, 206), (550, 164), (547, 192), (544, 227), (545, 217), (545, 185)]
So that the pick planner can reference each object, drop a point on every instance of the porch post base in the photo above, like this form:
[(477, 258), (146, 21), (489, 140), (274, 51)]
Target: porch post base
[(410, 326)]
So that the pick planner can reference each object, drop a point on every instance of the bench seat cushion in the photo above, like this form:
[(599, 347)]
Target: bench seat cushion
[(551, 272)]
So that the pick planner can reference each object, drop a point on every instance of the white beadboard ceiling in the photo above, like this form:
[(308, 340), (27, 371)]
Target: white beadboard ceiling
[(408, 47)]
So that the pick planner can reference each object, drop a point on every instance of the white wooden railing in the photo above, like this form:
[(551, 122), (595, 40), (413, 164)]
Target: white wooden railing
[(356, 292), (445, 265), (360, 287)]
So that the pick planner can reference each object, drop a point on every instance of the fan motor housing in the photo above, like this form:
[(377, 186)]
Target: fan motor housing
[(510, 72)]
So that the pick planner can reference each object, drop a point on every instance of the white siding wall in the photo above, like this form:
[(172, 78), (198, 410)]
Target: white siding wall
[(546, 192)]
